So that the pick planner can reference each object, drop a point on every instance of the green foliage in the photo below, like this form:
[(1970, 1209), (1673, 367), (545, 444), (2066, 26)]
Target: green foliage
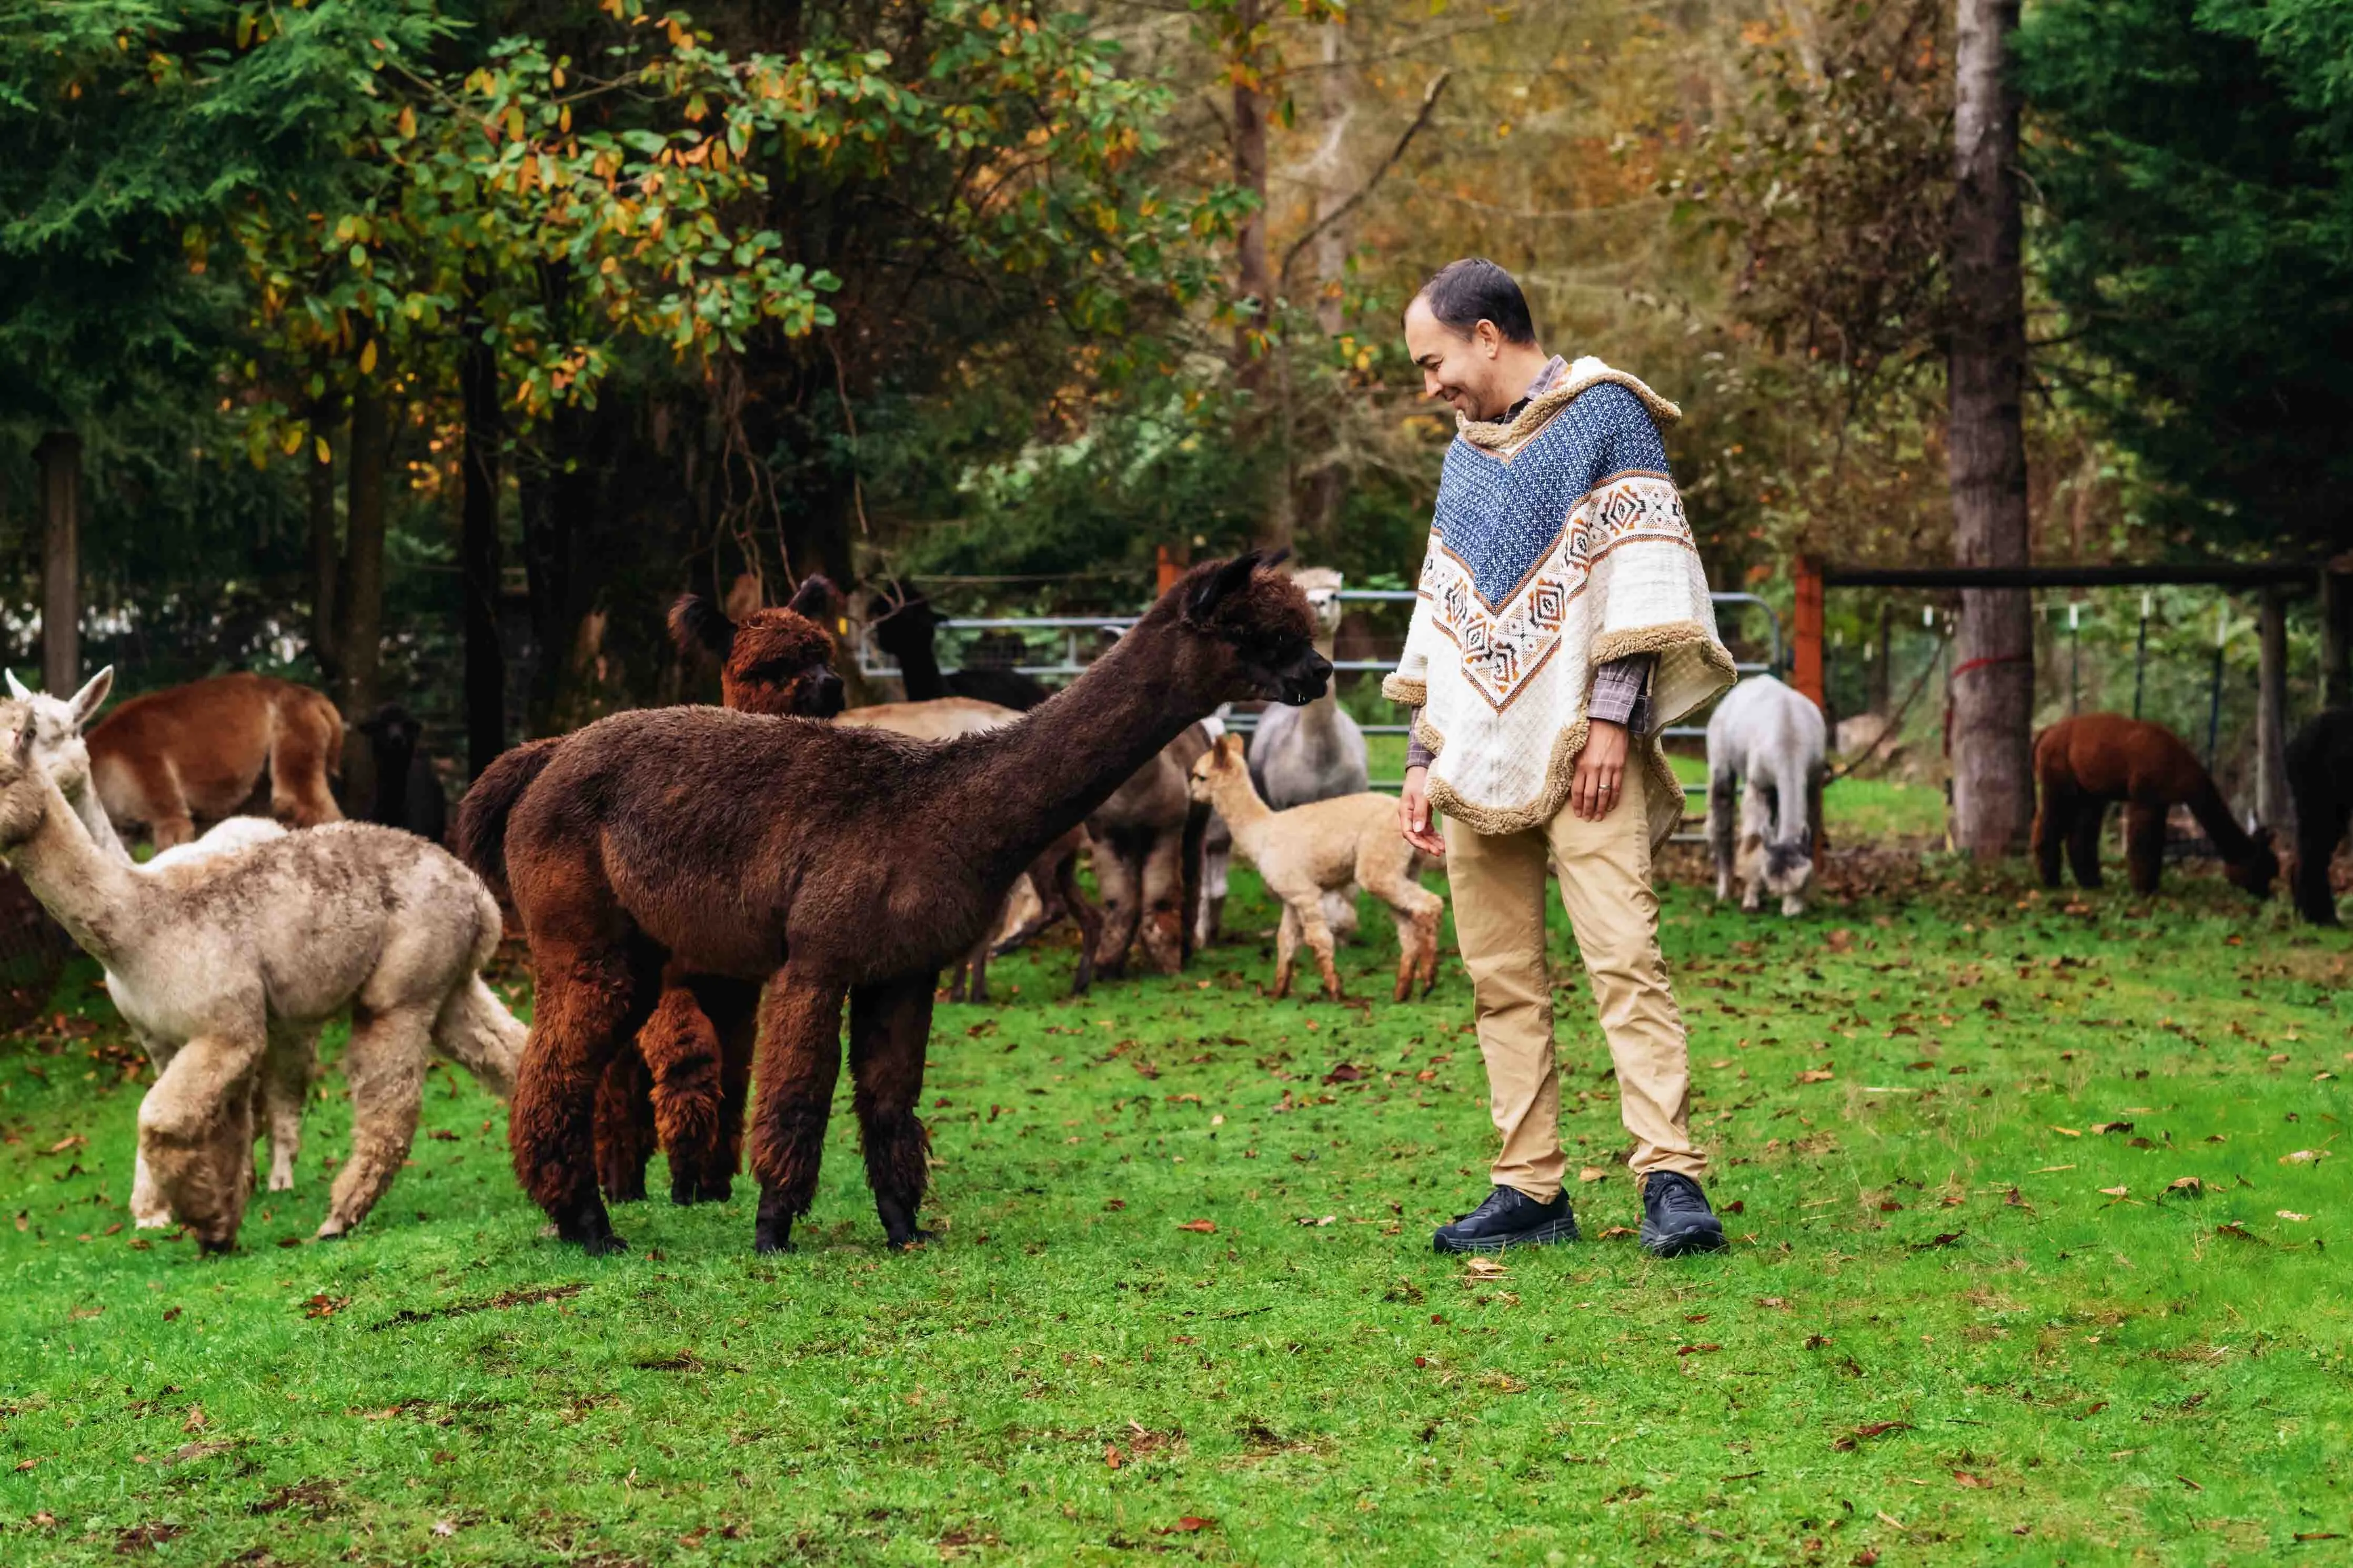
[(2196, 228), (1935, 1312)]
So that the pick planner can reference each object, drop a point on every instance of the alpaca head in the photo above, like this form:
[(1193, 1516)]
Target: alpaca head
[(1218, 770), (772, 661), (56, 723), (903, 622), (2255, 872), (1789, 868), (25, 789), (394, 732), (1321, 585), (1244, 631)]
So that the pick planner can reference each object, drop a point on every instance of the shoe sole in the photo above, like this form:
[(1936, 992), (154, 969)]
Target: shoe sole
[(1549, 1234), (1682, 1243)]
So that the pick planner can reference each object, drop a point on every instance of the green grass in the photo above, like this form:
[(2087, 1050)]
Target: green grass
[(1937, 1339)]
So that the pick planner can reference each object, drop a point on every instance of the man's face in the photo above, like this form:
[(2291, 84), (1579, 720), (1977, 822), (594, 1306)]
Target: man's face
[(1465, 372)]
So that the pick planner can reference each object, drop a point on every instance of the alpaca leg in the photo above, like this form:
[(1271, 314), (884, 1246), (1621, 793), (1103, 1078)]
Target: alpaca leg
[(297, 775), (149, 1209), (800, 1057), (734, 1008), (1722, 806), (625, 1124), (2084, 844), (1318, 937), (1044, 883), (590, 1000), (2317, 835), (976, 961), (385, 1065), (1415, 909), (1340, 912), (2053, 819), (2144, 844), (1286, 951), (1120, 876), (196, 1129), (1164, 935), (476, 1031), (890, 1030), (681, 1053), (285, 1084), (1089, 919)]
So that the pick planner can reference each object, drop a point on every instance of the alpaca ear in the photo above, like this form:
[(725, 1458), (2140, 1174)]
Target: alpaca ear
[(812, 597), (695, 621), (16, 689), (1227, 579), (92, 697)]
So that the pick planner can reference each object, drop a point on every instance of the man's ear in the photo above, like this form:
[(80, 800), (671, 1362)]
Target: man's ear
[(92, 697)]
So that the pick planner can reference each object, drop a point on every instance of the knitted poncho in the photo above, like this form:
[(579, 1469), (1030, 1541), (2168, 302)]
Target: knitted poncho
[(1560, 544)]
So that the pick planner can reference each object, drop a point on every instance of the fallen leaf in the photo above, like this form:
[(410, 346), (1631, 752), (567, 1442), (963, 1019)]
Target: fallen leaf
[(1115, 1204), (1188, 1524), (2304, 1156), (2189, 1186), (1963, 1477), (1868, 1555), (1698, 1349), (71, 1140), (26, 1464), (2112, 1126), (1947, 1239), (1485, 1268), (1592, 1173), (2292, 1214), (1207, 1227), (2185, 1481), (1112, 1455), (2070, 1131), (1880, 1428), (2240, 1233), (1816, 1075), (1616, 1232), (2115, 1192), (445, 1526)]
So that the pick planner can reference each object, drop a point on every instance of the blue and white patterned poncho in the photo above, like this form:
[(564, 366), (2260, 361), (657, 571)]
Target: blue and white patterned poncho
[(1560, 544)]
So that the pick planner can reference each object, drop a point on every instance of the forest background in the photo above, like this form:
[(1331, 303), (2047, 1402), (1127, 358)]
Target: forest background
[(427, 350)]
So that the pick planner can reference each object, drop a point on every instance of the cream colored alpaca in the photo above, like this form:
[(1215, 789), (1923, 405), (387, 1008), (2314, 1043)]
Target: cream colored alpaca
[(211, 957), (58, 751), (1313, 849)]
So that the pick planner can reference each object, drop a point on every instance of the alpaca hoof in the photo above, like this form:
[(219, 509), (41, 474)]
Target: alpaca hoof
[(331, 1230), (159, 1220), (603, 1245), (210, 1247), (912, 1240), (591, 1229), (281, 1182)]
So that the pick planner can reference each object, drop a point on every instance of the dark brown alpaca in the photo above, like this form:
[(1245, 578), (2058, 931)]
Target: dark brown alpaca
[(830, 864), (682, 1083), (2084, 764)]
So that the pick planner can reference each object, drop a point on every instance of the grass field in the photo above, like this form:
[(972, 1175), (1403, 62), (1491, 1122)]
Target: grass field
[(2032, 1267)]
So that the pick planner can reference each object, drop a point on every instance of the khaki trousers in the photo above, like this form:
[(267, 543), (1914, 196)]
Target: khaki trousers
[(1498, 883)]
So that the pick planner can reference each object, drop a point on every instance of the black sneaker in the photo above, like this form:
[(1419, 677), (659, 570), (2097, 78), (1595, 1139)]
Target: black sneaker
[(1675, 1216), (1508, 1219)]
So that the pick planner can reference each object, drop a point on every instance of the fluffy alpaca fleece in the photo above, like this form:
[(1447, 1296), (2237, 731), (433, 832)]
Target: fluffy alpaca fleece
[(201, 752), (830, 864), (1773, 740), (1315, 752), (211, 957), (1316, 849), (2085, 762)]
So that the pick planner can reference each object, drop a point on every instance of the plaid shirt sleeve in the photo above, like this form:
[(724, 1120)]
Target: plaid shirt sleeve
[(1621, 693), (1416, 756)]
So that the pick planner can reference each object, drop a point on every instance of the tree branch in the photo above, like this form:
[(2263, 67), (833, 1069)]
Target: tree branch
[(1428, 106)]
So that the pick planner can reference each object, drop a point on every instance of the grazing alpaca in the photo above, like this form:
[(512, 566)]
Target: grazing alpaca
[(905, 627), (210, 958), (1315, 752), (2084, 764), (680, 1085), (407, 791), (1309, 851), (2320, 781), (829, 863), (204, 751), (1148, 839), (1774, 738)]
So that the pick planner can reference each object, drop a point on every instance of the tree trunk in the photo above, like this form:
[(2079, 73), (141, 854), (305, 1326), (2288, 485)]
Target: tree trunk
[(2273, 806), (1254, 280), (59, 455), (486, 672), (359, 595), (2336, 633), (326, 549), (1993, 680)]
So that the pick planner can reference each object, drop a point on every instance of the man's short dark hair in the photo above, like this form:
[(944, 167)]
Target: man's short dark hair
[(1462, 294)]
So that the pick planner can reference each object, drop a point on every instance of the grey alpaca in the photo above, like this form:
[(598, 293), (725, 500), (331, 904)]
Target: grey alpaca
[(1773, 740)]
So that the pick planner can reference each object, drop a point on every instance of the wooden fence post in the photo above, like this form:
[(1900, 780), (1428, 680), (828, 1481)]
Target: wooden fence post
[(1806, 650), (59, 455)]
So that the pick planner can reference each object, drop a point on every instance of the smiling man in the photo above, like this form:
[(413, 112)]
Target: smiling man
[(1563, 621)]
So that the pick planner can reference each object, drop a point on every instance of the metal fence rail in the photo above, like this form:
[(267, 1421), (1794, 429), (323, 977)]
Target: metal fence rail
[(1069, 635)]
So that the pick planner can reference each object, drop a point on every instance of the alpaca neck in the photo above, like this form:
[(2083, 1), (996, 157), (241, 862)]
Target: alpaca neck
[(2213, 813), (91, 814), (919, 672), (1245, 811), (1011, 791), (84, 889)]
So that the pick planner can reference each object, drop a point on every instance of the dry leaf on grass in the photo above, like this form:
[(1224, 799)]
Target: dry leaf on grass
[(1485, 1269), (2292, 1214), (2189, 1186), (1617, 1233), (1591, 1173), (2116, 1192), (1816, 1075), (1206, 1226), (1963, 1477), (2070, 1131), (2304, 1156)]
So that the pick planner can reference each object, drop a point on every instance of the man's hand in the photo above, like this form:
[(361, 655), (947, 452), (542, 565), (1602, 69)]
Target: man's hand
[(1600, 770), (1413, 813)]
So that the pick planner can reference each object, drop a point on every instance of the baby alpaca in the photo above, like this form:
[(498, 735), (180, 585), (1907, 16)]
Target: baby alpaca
[(212, 958), (1321, 848), (1773, 740)]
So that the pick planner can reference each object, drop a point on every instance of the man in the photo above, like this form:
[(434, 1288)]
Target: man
[(1563, 620)]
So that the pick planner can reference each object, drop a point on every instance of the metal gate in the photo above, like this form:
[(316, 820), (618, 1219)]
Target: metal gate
[(1075, 640)]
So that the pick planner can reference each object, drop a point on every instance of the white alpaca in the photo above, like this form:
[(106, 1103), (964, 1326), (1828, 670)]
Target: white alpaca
[(1773, 738), (226, 965)]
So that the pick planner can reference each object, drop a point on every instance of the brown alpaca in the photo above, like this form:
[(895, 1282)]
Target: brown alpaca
[(682, 1083), (830, 864), (202, 752), (1148, 838), (2084, 764)]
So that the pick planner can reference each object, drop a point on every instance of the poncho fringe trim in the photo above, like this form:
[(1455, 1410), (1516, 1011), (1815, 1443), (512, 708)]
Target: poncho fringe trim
[(1491, 434)]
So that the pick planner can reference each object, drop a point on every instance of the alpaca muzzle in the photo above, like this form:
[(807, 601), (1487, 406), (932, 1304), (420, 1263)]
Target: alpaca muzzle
[(1305, 682)]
